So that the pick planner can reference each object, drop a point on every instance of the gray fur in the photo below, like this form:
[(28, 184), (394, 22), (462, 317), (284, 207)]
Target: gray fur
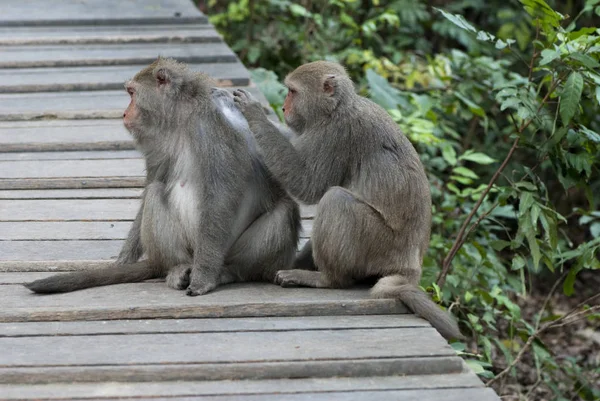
[(374, 206), (211, 212)]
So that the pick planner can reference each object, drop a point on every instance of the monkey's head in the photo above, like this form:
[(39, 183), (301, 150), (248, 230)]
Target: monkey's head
[(164, 96), (315, 90)]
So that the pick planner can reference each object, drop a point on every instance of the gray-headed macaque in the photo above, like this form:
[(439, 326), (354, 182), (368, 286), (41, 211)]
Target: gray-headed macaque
[(374, 206), (211, 213)]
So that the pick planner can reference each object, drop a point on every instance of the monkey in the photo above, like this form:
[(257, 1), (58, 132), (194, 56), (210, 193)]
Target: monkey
[(211, 212), (373, 199)]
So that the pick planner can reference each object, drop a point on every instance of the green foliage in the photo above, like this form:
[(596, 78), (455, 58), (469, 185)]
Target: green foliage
[(522, 95)]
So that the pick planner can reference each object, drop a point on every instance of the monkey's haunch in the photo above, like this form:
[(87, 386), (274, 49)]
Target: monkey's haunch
[(131, 273)]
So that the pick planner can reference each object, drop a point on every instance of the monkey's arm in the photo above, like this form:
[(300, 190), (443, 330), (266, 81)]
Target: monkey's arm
[(221, 191), (283, 160)]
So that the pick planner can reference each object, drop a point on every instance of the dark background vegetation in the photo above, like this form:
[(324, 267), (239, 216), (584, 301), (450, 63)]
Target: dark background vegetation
[(501, 98)]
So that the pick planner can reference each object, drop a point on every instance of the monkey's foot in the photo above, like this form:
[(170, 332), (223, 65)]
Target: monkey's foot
[(193, 291), (306, 278), (179, 277)]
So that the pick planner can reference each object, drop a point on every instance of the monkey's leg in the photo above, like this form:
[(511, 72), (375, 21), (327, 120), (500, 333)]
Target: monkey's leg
[(267, 245), (348, 237)]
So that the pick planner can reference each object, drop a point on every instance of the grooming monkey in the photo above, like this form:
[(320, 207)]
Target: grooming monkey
[(211, 213), (374, 206)]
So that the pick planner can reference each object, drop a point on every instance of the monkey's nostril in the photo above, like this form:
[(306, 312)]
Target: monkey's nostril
[(283, 109), (124, 115)]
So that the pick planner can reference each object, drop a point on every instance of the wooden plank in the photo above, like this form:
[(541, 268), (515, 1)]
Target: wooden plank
[(80, 209), (73, 155), (63, 131), (68, 209), (101, 230), (22, 252), (77, 230), (105, 12), (37, 35), (207, 388), (155, 326), (228, 371), (100, 193), (223, 347), (37, 56), (153, 300), (22, 80), (73, 183), (71, 105), (72, 168), (385, 395)]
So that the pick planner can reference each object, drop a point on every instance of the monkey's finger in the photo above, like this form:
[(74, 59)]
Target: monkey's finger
[(242, 94)]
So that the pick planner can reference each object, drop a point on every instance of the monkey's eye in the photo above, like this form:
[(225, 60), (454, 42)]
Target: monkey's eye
[(130, 91), (292, 91)]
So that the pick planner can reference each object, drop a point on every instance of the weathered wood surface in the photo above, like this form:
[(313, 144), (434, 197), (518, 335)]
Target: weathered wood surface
[(151, 300), (65, 13), (229, 388), (70, 182), (41, 35)]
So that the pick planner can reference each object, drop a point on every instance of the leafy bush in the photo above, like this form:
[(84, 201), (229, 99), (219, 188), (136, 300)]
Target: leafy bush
[(507, 122)]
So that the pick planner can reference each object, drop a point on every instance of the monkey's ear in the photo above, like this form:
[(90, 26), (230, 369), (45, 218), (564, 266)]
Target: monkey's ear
[(329, 85), (162, 77)]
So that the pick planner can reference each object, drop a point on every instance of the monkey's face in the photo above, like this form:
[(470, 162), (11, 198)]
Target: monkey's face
[(292, 110), (130, 115)]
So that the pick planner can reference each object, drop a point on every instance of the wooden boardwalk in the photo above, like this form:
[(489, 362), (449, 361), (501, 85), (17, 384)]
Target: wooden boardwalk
[(70, 179)]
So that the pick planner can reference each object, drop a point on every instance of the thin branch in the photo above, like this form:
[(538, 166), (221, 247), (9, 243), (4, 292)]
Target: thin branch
[(460, 238)]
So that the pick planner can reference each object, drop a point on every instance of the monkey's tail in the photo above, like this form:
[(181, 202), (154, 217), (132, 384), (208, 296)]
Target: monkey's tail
[(116, 274), (419, 303)]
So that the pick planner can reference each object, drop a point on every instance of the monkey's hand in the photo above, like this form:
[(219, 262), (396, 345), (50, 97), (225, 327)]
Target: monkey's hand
[(248, 105)]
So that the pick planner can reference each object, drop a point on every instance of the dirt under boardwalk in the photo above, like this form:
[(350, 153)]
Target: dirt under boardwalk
[(70, 180)]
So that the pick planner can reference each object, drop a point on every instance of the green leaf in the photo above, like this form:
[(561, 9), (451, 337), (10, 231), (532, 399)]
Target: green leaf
[(586, 60), (475, 109), (591, 135), (525, 202), (570, 282), (298, 10), (457, 20), (534, 247), (518, 263), (382, 92), (595, 229), (539, 9), (598, 94), (453, 188), (449, 154), (499, 244), (465, 172), (548, 56), (476, 157), (462, 180), (511, 102), (569, 99)]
